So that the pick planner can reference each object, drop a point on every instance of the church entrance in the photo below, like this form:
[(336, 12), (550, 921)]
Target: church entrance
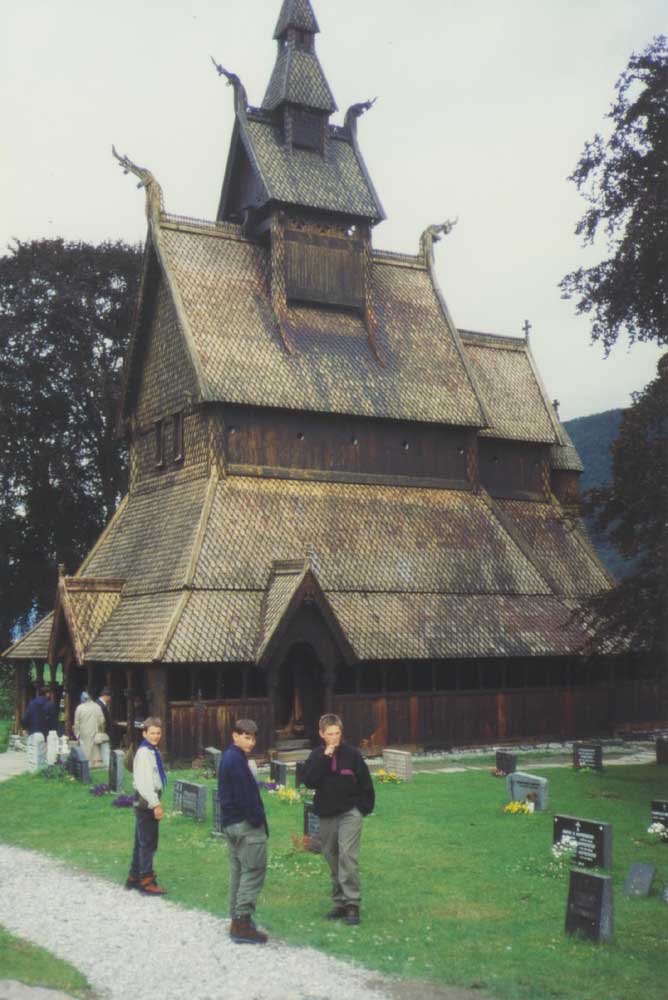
[(299, 695)]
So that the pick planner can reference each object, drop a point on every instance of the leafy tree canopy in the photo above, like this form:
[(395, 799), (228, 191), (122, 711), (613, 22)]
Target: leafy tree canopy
[(624, 179), (65, 314)]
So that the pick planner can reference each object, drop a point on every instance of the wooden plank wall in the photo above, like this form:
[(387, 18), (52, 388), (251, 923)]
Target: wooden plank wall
[(218, 719)]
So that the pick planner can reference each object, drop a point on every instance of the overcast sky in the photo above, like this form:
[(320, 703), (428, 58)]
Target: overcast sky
[(483, 110)]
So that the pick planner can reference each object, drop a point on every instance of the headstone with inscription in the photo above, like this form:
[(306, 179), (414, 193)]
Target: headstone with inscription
[(594, 840), (589, 912), (36, 752), (190, 800), (588, 755), (662, 750), (116, 769), (278, 772), (63, 748), (399, 762), (639, 880), (529, 788), (312, 829), (52, 747), (78, 766), (659, 811), (506, 762)]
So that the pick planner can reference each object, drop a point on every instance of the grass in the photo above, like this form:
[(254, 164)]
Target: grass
[(454, 890), (26, 963), (5, 729)]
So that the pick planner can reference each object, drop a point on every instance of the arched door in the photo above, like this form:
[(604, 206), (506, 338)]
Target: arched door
[(299, 694)]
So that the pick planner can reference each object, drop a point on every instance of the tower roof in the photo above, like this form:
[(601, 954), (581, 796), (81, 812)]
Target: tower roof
[(296, 14)]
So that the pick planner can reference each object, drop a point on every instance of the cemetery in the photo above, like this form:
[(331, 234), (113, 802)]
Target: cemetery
[(496, 907)]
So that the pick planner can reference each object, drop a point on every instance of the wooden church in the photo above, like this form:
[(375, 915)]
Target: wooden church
[(338, 500)]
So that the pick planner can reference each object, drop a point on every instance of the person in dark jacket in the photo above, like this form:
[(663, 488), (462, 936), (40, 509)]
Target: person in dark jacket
[(344, 795), (39, 715), (245, 827)]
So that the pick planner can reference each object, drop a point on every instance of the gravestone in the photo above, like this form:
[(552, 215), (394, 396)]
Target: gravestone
[(594, 840), (36, 752), (662, 750), (212, 757), (77, 765), (528, 788), (506, 762), (312, 829), (190, 800), (278, 772), (639, 880), (589, 911), (63, 748), (588, 755), (659, 811), (400, 763), (52, 747), (116, 768), (217, 823)]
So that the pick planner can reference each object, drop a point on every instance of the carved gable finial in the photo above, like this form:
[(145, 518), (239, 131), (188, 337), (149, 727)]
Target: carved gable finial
[(433, 234), (240, 95), (356, 111), (154, 200)]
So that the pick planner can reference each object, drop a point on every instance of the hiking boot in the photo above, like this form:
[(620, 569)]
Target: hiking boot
[(132, 881), (352, 914), (149, 887), (244, 931), (337, 912)]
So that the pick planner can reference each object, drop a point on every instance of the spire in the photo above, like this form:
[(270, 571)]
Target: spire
[(296, 14), (298, 78)]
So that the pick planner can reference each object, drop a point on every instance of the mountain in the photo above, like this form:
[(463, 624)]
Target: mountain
[(593, 437)]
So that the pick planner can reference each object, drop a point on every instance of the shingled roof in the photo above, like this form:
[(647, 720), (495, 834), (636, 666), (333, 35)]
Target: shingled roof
[(404, 572), (296, 14)]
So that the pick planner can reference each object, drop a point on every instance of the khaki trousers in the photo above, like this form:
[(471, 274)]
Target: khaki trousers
[(341, 837), (247, 847)]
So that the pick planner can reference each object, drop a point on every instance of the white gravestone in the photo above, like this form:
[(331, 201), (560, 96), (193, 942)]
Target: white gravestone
[(63, 747), (52, 747), (36, 752), (399, 762)]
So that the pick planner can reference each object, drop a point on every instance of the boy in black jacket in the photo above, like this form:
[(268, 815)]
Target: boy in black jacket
[(344, 795)]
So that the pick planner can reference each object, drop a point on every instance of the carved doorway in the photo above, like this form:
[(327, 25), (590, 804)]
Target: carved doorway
[(299, 695)]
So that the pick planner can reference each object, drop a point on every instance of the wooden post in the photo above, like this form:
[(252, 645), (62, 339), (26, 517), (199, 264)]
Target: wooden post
[(21, 688), (156, 682)]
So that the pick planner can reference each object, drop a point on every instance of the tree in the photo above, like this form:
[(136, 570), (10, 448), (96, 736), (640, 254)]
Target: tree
[(633, 511), (624, 179), (65, 315)]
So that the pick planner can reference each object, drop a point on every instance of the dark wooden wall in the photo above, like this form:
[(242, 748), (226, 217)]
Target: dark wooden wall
[(217, 721), (514, 469)]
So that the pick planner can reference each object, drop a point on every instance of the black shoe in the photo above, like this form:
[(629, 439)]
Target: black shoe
[(337, 912), (352, 914)]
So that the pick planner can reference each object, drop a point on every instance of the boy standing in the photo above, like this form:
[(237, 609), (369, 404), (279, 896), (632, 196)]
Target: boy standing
[(148, 780), (344, 795), (245, 827)]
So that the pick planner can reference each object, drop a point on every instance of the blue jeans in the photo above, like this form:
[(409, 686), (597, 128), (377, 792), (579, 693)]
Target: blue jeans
[(146, 842)]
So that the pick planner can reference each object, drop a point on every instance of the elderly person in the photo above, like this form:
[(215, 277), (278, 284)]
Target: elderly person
[(88, 722)]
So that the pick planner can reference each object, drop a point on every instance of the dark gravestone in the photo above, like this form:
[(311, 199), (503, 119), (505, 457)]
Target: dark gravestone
[(278, 772), (659, 811), (212, 761), (217, 826), (190, 799), (662, 750), (639, 880), (312, 829), (116, 768), (299, 774), (594, 840), (528, 788), (77, 765), (506, 762), (588, 755), (589, 909)]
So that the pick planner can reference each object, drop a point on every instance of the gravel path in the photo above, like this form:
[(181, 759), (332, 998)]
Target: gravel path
[(183, 954)]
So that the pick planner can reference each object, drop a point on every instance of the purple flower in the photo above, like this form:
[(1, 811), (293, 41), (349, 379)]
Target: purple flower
[(123, 801)]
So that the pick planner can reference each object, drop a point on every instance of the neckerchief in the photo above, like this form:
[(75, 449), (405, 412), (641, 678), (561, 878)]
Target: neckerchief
[(158, 760)]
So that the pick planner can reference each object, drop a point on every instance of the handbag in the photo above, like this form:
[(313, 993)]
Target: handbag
[(100, 738)]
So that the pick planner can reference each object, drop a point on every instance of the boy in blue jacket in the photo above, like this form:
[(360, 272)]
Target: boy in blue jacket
[(245, 827), (344, 796)]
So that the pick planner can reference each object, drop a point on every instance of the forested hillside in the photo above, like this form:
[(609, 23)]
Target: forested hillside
[(593, 436)]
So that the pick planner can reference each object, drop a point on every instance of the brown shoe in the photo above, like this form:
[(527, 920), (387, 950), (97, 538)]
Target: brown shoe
[(149, 887), (337, 912), (352, 915), (132, 882), (245, 932)]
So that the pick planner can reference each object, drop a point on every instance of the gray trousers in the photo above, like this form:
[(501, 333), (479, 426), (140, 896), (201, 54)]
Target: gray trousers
[(341, 837), (247, 847)]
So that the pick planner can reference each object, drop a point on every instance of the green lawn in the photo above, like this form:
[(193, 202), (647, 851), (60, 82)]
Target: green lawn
[(27, 963), (5, 729), (454, 889)]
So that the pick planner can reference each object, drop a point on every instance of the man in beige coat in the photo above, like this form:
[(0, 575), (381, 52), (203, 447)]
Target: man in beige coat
[(88, 721)]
